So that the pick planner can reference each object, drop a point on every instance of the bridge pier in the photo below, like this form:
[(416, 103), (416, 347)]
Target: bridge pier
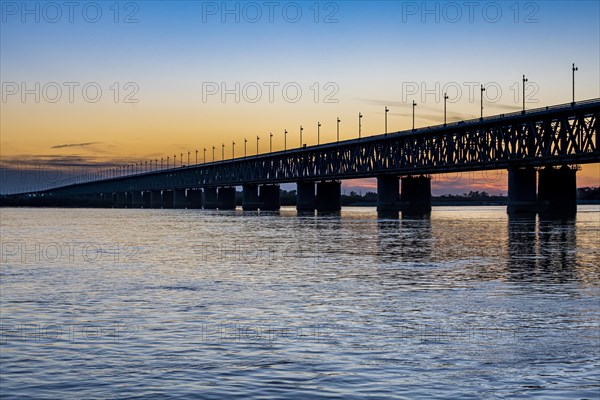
[(120, 200), (211, 200), (194, 198), (167, 199), (269, 198), (329, 196), (388, 194), (155, 199), (226, 198), (305, 196), (179, 198), (416, 195), (250, 199), (522, 196), (146, 199), (136, 199), (557, 190)]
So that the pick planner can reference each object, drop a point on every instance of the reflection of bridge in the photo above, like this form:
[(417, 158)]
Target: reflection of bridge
[(544, 138)]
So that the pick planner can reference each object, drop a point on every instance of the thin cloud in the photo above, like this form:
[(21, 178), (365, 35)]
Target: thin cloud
[(62, 146)]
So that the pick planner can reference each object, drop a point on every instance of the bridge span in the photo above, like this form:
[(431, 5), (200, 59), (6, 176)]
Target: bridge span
[(540, 148)]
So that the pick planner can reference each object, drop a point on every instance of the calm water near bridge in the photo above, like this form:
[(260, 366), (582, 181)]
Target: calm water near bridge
[(117, 303)]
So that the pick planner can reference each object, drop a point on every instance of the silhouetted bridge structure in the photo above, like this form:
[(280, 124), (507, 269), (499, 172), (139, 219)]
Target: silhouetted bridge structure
[(549, 141)]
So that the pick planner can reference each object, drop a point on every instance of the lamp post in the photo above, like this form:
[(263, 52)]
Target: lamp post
[(574, 69), (161, 163), (181, 159), (482, 90), (270, 142), (359, 124), (257, 139), (188, 158), (445, 98), (204, 160), (318, 133), (285, 139), (156, 164), (196, 156), (222, 151), (167, 162), (213, 153), (386, 112), (301, 129), (524, 81), (414, 105), (245, 143), (338, 128), (232, 149)]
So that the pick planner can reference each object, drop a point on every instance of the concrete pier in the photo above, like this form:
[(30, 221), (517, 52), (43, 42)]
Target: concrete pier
[(210, 198), (557, 190), (194, 198), (226, 197), (155, 199), (167, 199), (305, 196), (179, 198), (120, 199), (250, 199), (136, 199), (329, 196), (388, 193), (270, 198), (522, 197), (416, 195), (146, 199)]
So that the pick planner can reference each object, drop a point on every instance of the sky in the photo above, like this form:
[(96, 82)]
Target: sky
[(91, 85)]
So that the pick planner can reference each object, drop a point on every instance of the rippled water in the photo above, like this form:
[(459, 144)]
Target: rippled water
[(468, 303)]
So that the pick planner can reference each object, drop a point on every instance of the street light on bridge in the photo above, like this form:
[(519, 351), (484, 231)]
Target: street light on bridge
[(285, 139), (245, 143), (574, 69), (167, 162), (161, 162), (445, 98), (338, 128), (204, 159), (257, 139), (232, 149), (524, 81), (414, 105), (222, 151), (359, 125), (318, 133), (301, 129), (270, 142), (482, 90), (181, 159), (386, 113), (213, 153), (196, 156)]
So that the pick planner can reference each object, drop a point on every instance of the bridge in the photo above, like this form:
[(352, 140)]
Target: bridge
[(540, 148)]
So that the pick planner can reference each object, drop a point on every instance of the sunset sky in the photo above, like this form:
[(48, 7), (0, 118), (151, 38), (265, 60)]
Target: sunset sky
[(96, 84)]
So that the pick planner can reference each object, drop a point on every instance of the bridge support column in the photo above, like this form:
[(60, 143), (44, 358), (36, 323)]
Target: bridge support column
[(522, 196), (416, 195), (250, 199), (557, 190), (146, 199), (155, 199), (269, 198), (329, 196), (211, 200), (167, 199), (305, 196), (194, 198), (178, 198), (121, 199), (226, 196), (388, 194), (136, 199)]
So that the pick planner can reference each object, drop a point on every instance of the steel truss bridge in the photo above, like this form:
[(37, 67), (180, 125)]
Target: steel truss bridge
[(554, 135)]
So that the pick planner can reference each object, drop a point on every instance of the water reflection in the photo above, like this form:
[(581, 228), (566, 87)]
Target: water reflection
[(542, 250)]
